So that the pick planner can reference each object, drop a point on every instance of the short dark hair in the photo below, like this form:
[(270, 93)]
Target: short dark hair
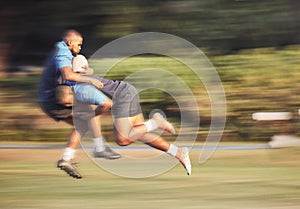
[(69, 34)]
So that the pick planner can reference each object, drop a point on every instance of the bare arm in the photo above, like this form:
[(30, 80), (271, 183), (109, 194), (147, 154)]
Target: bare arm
[(69, 75)]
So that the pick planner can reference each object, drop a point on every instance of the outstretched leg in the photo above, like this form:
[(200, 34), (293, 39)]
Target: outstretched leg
[(65, 163), (131, 129)]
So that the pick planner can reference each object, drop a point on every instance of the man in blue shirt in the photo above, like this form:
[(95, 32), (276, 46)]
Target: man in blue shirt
[(59, 64)]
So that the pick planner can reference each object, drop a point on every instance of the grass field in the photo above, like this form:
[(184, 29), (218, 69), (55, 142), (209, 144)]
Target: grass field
[(243, 179), (264, 79)]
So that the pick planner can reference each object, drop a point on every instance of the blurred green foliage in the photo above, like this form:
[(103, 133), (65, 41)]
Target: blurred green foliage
[(264, 79), (253, 44), (29, 28)]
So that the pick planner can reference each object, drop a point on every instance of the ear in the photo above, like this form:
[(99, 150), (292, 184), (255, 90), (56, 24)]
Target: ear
[(69, 43)]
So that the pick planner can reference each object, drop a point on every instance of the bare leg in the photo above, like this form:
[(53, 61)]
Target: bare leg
[(89, 115), (129, 130), (101, 150), (74, 138), (95, 126), (73, 143), (158, 142)]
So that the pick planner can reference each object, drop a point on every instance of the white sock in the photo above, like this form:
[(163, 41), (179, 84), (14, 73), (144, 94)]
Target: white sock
[(172, 150), (99, 144), (68, 154), (151, 125)]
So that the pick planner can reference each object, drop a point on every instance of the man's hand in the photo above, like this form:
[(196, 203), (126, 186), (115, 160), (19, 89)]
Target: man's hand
[(106, 106), (98, 84)]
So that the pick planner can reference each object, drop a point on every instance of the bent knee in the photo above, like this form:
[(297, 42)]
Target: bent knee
[(123, 141)]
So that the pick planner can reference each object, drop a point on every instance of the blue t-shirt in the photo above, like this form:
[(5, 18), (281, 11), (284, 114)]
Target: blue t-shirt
[(60, 57)]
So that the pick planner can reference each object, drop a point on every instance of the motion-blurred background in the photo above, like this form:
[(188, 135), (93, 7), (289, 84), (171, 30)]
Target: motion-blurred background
[(253, 44)]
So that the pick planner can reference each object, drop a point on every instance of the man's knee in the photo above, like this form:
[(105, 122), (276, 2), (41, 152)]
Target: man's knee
[(122, 140)]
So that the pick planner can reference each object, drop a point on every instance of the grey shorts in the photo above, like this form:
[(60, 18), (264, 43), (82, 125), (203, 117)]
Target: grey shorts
[(126, 101)]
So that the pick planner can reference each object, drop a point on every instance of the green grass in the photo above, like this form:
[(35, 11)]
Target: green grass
[(231, 179)]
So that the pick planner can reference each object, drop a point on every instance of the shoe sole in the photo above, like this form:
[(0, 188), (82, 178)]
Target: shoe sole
[(73, 173), (108, 158)]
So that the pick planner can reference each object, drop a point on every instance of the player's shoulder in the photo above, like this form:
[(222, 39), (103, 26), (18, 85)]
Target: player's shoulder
[(62, 49)]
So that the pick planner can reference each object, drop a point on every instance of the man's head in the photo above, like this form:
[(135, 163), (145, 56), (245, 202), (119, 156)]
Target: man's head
[(74, 41)]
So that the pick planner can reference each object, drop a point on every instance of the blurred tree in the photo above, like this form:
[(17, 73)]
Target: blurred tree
[(225, 25), (12, 15), (30, 28), (294, 7)]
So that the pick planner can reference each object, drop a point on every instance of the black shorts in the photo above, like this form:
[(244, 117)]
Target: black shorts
[(59, 113), (126, 101), (56, 111)]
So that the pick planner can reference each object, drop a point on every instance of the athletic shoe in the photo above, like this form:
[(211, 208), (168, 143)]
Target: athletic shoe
[(183, 157), (108, 153), (163, 123), (68, 167)]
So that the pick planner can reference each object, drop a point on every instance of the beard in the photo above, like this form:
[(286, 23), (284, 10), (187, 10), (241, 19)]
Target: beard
[(74, 53)]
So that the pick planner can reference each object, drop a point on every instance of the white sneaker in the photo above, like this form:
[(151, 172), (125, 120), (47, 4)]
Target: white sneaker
[(183, 157), (163, 123)]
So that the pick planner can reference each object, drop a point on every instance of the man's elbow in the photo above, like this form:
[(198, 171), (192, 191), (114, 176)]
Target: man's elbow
[(68, 74), (70, 77)]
